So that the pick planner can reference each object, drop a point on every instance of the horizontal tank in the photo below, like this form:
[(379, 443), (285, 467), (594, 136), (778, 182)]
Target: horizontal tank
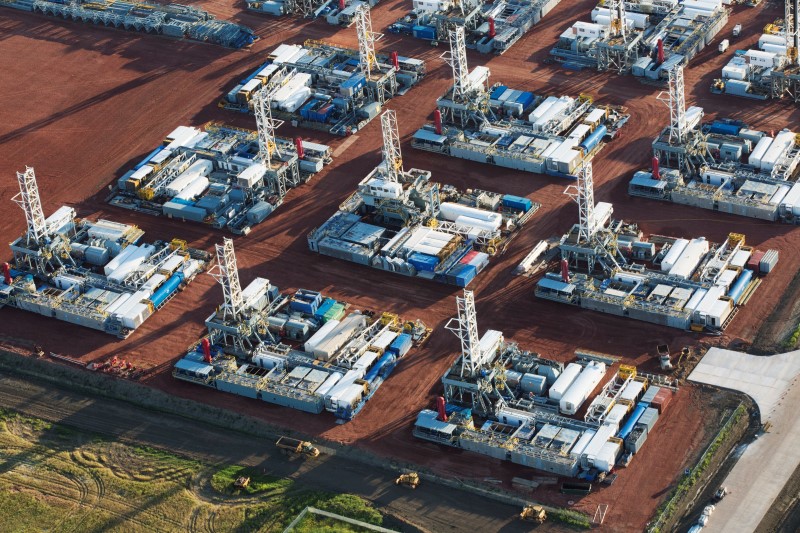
[(202, 167), (564, 381), (194, 189), (451, 211), (582, 387), (673, 254), (759, 151)]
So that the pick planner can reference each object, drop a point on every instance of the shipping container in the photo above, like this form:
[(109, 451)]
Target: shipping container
[(649, 418), (768, 261), (662, 400), (649, 394)]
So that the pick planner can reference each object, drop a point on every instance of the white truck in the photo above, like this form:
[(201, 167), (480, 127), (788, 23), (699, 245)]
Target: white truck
[(737, 30), (723, 45)]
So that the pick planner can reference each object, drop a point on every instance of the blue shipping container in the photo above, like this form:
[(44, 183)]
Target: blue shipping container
[(525, 98), (594, 138), (324, 308), (628, 427), (497, 92), (423, 261), (461, 274), (424, 32), (356, 81), (517, 202), (401, 345), (721, 128)]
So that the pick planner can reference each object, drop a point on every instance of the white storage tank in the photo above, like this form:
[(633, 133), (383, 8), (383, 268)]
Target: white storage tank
[(759, 151), (582, 387), (320, 335), (564, 381), (328, 384), (200, 168), (783, 142), (451, 211), (673, 254), (533, 383), (197, 187), (542, 108), (607, 456), (690, 258)]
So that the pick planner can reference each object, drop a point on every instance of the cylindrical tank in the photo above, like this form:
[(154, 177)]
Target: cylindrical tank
[(197, 187), (759, 151), (328, 384), (202, 167), (451, 211), (740, 285), (513, 378), (437, 122), (440, 407), (594, 138), (166, 289), (673, 254), (656, 170), (634, 418), (542, 108), (386, 358), (96, 255), (492, 31), (582, 387), (475, 223), (770, 39), (298, 144), (533, 383), (564, 381), (7, 274)]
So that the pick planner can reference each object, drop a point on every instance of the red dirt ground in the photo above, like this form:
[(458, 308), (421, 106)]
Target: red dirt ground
[(81, 104)]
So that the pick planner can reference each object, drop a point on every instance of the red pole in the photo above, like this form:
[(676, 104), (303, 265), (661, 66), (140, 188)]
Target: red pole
[(298, 143), (564, 271), (395, 61), (656, 173), (7, 274), (492, 31), (437, 121), (206, 344), (660, 52), (441, 409)]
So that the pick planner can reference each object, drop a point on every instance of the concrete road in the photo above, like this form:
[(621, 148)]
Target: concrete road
[(430, 507), (768, 463)]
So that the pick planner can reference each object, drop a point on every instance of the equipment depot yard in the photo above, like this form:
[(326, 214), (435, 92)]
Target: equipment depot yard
[(82, 104)]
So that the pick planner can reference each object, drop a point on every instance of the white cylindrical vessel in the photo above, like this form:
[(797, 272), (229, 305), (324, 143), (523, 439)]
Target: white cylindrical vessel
[(564, 381), (580, 389)]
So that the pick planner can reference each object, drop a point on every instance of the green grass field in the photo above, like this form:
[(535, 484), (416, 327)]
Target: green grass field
[(55, 479)]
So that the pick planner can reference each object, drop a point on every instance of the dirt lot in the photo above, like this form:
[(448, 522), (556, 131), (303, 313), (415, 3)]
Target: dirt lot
[(56, 478), (103, 98)]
